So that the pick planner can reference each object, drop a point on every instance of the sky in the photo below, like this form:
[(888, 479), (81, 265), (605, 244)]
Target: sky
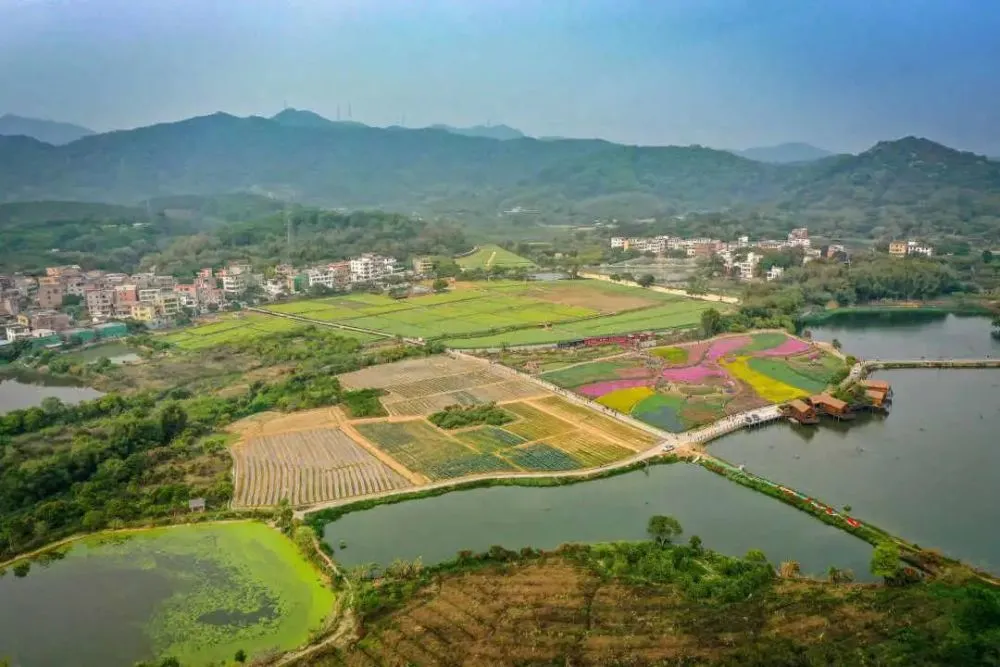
[(841, 74)]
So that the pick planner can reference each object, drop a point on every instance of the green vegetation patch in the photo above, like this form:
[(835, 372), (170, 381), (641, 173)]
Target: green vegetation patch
[(489, 439), (763, 341), (672, 355), (782, 371), (588, 373), (539, 456), (661, 411), (198, 593), (493, 256), (458, 416)]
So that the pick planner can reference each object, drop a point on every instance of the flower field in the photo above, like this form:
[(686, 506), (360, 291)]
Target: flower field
[(307, 466), (680, 387)]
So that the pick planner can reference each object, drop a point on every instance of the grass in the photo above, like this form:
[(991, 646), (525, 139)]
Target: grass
[(661, 411), (763, 341), (198, 593), (238, 328), (490, 256), (588, 373), (678, 314), (781, 371)]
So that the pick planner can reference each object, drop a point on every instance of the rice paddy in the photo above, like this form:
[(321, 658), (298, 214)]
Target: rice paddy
[(492, 256), (235, 328), (681, 387)]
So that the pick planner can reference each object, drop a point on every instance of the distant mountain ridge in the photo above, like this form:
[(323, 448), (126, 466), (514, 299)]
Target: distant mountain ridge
[(47, 131), (785, 153), (500, 132), (303, 157)]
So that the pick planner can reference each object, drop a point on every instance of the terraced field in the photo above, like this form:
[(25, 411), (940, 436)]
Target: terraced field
[(307, 466)]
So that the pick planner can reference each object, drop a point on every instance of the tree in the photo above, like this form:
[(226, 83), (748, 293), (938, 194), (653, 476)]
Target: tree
[(837, 345), (987, 256), (711, 322), (241, 656), (173, 420), (646, 280), (283, 516), (885, 560), (663, 529), (439, 285)]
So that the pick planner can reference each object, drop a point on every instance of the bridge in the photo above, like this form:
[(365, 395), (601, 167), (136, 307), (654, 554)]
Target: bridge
[(863, 368)]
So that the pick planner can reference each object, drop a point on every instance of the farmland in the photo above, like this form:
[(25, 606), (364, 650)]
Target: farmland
[(305, 458), (529, 312), (424, 386), (490, 256), (684, 386)]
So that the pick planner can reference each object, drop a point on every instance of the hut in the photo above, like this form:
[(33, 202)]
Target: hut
[(196, 505), (833, 407), (880, 386), (800, 411), (877, 398)]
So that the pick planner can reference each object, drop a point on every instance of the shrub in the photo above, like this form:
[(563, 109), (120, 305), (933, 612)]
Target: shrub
[(457, 416)]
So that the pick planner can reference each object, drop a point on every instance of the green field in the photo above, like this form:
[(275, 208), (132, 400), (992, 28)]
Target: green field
[(587, 373), (782, 371), (680, 313), (493, 256), (238, 328), (534, 311), (198, 593), (422, 448)]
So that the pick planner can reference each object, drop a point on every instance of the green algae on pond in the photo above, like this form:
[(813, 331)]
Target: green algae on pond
[(198, 593)]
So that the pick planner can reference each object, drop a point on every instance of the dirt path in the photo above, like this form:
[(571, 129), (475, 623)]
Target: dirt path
[(489, 262)]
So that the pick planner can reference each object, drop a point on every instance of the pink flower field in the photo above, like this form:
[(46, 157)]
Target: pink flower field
[(600, 388), (692, 374), (721, 348), (789, 347)]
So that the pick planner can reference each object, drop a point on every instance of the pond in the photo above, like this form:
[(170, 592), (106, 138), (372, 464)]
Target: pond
[(729, 518), (117, 353), (23, 388), (901, 335), (926, 472), (198, 593)]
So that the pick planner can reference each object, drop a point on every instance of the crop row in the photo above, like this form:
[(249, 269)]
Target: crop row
[(589, 449), (261, 482)]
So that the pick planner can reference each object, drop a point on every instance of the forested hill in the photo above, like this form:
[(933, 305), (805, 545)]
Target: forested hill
[(302, 157)]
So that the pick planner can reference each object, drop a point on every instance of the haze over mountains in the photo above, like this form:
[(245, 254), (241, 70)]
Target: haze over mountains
[(51, 132), (301, 156), (785, 153)]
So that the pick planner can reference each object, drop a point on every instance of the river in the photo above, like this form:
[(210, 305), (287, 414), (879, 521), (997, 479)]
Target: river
[(22, 388), (729, 518), (927, 471)]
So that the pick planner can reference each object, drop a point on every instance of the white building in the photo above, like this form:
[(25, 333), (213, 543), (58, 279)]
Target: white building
[(774, 273), (747, 267), (371, 268), (915, 248)]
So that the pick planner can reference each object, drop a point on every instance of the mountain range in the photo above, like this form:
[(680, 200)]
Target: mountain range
[(301, 156), (48, 131), (785, 153)]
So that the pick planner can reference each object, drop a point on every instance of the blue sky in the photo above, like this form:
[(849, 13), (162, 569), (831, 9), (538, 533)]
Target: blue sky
[(726, 73)]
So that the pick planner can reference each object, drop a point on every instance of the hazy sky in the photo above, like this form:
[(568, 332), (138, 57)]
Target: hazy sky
[(727, 73)]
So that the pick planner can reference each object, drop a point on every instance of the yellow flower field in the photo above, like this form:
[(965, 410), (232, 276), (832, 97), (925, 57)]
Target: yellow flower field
[(623, 400), (767, 388)]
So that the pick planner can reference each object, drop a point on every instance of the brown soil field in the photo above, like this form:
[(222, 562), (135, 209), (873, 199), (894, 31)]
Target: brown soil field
[(554, 612), (306, 458)]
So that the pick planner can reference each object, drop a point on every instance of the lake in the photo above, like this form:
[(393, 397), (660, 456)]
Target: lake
[(926, 472), (901, 335), (117, 353), (198, 593), (729, 518), (23, 388)]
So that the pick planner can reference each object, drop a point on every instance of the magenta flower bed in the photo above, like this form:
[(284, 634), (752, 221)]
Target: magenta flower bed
[(721, 348), (692, 374), (629, 373), (600, 388), (790, 346)]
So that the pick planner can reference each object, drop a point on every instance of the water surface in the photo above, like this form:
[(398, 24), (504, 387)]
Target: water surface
[(21, 389), (926, 472), (729, 518), (901, 335)]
